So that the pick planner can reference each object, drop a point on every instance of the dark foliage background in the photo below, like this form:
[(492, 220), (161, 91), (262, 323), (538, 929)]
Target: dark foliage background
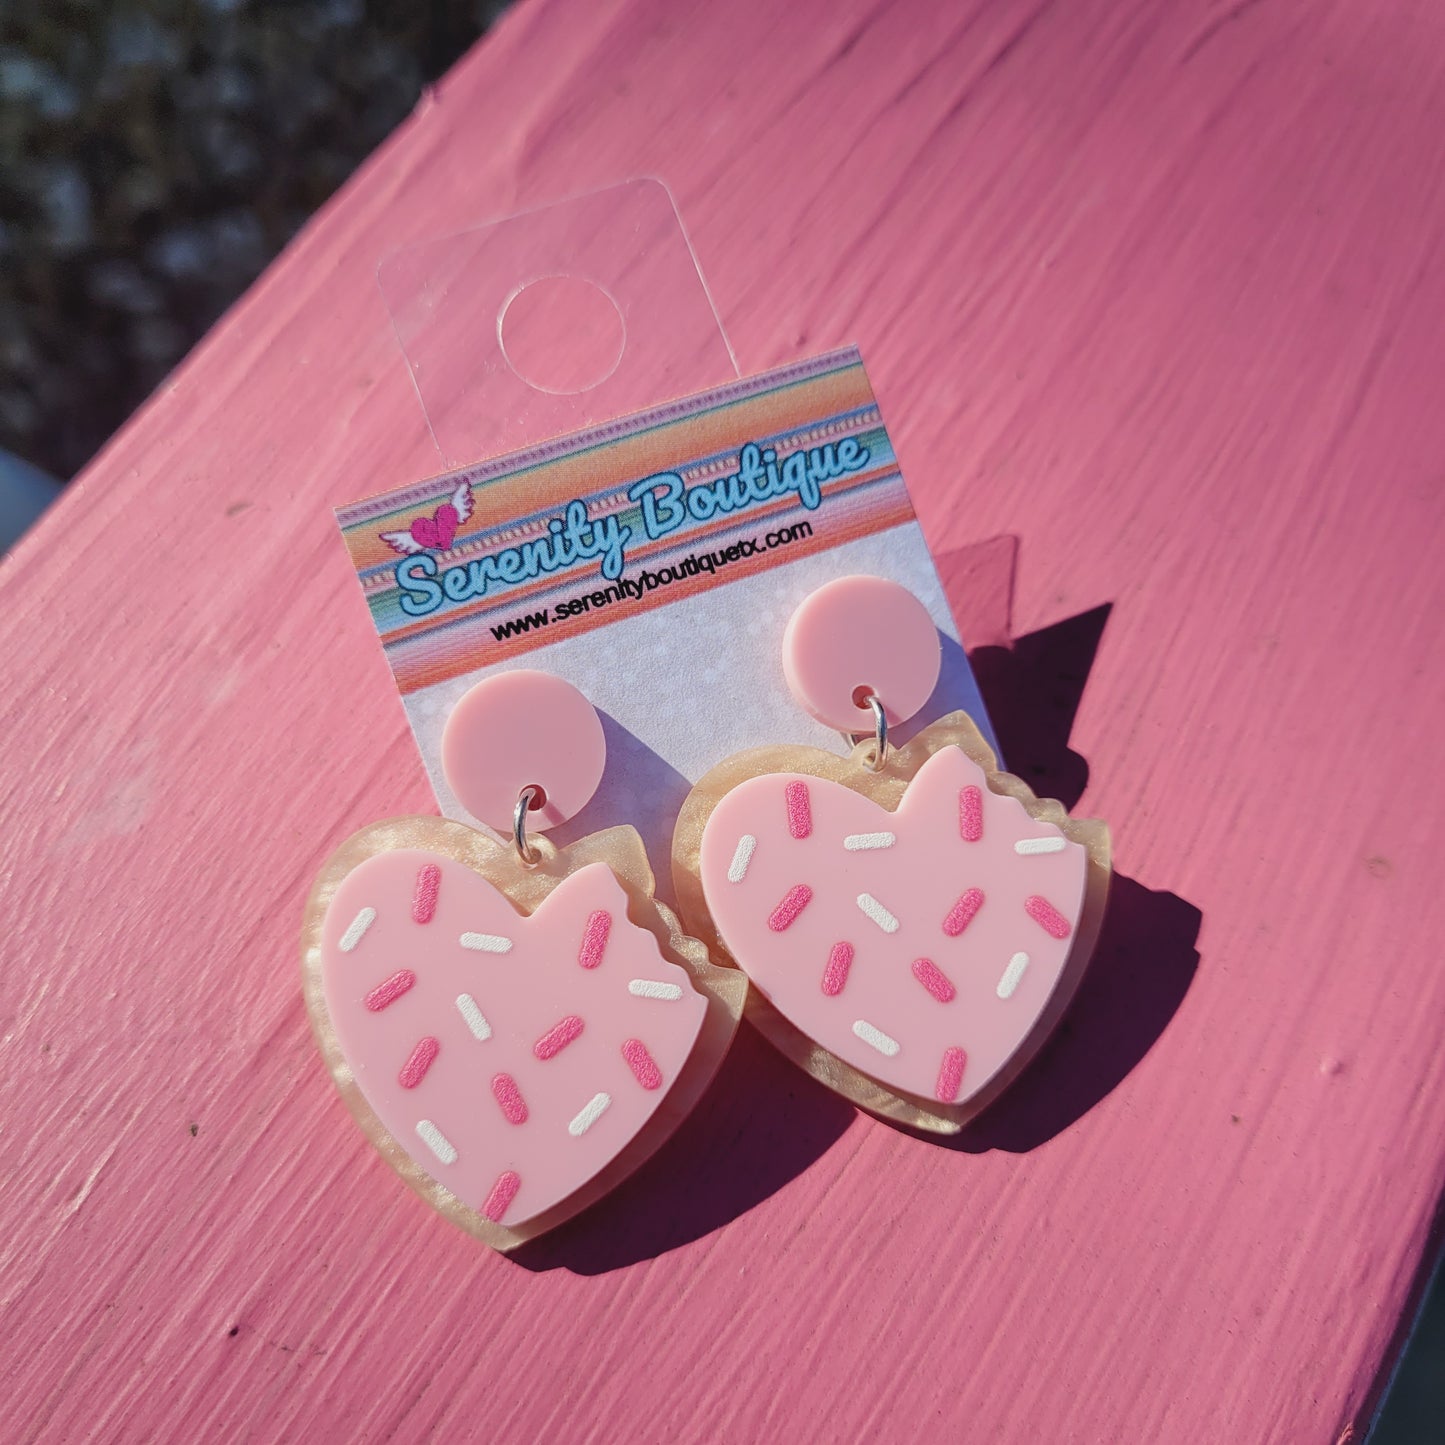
[(154, 156)]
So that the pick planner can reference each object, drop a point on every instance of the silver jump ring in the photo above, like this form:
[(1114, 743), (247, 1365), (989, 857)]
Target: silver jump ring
[(880, 734), (525, 851)]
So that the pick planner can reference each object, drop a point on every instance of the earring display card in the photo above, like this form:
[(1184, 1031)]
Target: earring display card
[(654, 562)]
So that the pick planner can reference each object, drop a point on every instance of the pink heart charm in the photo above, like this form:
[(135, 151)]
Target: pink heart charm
[(438, 530), (513, 1057), (921, 946)]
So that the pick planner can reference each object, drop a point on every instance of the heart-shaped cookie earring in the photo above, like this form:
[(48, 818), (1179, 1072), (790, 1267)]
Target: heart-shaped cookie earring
[(516, 1026), (913, 920)]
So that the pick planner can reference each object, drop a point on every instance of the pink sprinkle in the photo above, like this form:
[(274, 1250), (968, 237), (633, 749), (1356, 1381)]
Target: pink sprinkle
[(509, 1097), (422, 1058), (795, 900), (840, 960), (800, 809), (950, 1075), (504, 1191), (642, 1064), (424, 900), (594, 938), (557, 1037), (931, 977), (970, 814), (1047, 916), (389, 991), (961, 914)]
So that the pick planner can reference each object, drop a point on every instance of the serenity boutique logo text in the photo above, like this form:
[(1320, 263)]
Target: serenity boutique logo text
[(664, 504)]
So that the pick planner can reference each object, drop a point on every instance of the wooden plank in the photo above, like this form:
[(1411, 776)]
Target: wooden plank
[(1153, 287)]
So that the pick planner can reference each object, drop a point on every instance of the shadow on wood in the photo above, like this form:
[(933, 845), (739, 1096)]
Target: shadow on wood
[(1033, 690)]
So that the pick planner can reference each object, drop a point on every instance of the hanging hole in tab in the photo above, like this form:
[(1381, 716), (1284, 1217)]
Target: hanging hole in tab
[(562, 334)]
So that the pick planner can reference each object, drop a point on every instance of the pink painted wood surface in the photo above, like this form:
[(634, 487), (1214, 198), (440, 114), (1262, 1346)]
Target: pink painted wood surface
[(1155, 288)]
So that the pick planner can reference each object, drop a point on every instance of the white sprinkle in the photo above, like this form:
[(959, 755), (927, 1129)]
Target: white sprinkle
[(1012, 975), (1041, 845), (359, 925), (742, 856), (590, 1115), (878, 913), (876, 1037), (857, 842), (476, 1019), (487, 942), (441, 1146), (650, 988)]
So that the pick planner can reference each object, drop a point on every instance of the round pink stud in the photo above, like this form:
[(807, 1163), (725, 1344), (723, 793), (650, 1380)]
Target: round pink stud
[(855, 636), (523, 729)]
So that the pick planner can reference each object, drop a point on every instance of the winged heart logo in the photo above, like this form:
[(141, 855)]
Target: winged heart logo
[(437, 531)]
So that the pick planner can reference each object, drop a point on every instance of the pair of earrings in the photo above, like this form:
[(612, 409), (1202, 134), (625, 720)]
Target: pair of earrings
[(518, 1026)]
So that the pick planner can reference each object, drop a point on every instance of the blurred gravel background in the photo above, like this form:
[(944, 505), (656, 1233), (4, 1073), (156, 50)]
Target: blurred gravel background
[(154, 157)]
